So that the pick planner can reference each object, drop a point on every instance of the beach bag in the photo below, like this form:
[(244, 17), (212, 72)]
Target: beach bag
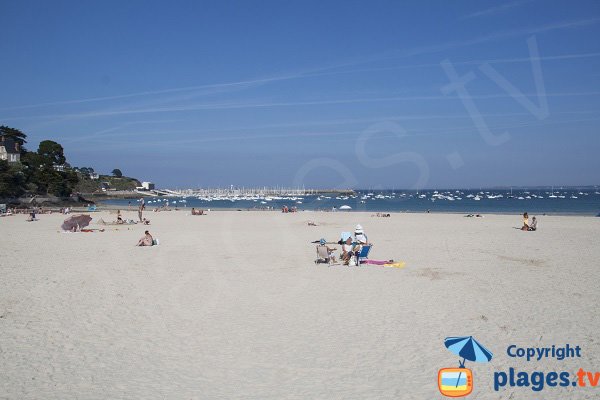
[(352, 261)]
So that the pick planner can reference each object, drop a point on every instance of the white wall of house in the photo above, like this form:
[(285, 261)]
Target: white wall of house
[(10, 157)]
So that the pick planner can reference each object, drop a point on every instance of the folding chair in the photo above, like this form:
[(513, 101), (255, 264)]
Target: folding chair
[(364, 254), (323, 255)]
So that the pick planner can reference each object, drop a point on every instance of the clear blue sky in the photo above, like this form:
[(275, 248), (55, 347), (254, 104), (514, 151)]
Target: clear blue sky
[(325, 94)]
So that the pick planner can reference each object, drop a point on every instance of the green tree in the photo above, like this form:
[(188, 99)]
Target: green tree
[(39, 171), (117, 173), (12, 180), (52, 152), (36, 173), (15, 134)]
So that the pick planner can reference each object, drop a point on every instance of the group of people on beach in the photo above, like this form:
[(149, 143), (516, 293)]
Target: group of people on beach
[(351, 246), (526, 226)]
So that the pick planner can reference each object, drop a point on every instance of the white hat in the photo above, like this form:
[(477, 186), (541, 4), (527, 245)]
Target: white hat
[(358, 229)]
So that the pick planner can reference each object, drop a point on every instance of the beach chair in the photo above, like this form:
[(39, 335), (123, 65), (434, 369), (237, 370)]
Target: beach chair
[(364, 254), (323, 255)]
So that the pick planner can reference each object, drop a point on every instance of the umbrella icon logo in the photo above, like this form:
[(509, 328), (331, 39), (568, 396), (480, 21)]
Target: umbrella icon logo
[(458, 382)]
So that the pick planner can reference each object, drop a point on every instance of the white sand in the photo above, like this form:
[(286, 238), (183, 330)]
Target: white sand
[(231, 306)]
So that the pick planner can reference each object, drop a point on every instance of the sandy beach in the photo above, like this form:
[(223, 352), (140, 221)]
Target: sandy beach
[(230, 305)]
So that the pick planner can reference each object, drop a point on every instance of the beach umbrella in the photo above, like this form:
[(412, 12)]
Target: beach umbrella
[(469, 349), (345, 207), (76, 221)]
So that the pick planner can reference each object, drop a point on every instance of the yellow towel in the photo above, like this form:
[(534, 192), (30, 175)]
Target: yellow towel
[(400, 264)]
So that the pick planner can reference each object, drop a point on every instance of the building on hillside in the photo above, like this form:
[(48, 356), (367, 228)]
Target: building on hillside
[(10, 150), (148, 185)]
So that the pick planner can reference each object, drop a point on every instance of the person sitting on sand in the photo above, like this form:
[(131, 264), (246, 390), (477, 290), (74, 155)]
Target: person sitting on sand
[(146, 240), (360, 236), (533, 226), (330, 250), (349, 249), (146, 221), (525, 226), (120, 220)]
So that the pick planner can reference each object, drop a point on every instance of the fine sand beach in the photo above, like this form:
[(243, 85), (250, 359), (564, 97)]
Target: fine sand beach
[(230, 305)]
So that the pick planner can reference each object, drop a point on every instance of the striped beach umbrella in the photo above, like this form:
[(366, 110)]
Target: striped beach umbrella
[(468, 348)]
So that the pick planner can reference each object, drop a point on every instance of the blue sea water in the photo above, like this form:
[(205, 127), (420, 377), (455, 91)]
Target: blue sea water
[(538, 201)]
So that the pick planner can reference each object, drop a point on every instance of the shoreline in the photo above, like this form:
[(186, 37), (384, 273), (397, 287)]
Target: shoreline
[(109, 207)]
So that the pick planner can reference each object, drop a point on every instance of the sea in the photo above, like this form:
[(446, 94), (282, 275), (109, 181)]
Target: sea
[(498, 201)]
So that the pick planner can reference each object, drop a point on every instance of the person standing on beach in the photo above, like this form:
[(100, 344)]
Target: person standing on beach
[(141, 209)]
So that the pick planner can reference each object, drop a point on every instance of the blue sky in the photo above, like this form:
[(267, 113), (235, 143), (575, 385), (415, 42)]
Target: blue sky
[(321, 94)]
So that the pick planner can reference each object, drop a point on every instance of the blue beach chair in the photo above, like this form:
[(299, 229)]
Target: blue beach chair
[(364, 253)]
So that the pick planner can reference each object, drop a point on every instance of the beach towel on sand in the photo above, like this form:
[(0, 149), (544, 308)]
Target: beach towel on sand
[(399, 264)]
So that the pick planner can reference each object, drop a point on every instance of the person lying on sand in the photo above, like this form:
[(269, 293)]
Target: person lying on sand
[(311, 223), (146, 240)]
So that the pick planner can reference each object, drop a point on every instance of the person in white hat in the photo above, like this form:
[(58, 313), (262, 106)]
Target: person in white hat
[(359, 235)]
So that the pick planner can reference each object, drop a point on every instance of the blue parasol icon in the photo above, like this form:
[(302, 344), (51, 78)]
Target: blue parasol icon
[(469, 349)]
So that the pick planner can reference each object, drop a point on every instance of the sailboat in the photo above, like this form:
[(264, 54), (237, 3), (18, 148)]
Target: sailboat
[(511, 195), (552, 196)]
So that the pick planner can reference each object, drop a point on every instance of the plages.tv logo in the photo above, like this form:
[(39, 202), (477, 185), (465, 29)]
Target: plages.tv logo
[(458, 382)]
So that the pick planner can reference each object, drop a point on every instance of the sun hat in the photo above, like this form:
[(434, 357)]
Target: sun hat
[(358, 229), (322, 241)]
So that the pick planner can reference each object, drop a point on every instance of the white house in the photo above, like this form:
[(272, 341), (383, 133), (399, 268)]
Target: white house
[(148, 185), (9, 149)]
